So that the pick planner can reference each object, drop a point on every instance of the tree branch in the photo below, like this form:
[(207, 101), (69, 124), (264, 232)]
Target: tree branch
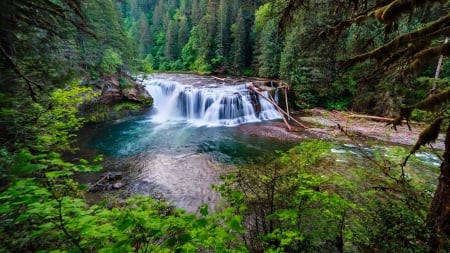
[(61, 224), (437, 28), (18, 71)]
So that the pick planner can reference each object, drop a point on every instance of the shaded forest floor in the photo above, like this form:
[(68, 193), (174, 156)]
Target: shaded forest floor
[(325, 124)]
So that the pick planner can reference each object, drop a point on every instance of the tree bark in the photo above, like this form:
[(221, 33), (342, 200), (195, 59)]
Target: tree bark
[(439, 214)]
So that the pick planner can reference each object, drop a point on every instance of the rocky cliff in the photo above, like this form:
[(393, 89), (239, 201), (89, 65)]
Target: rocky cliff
[(117, 96)]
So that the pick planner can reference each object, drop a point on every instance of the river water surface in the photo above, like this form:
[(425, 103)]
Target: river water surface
[(181, 146), (190, 137)]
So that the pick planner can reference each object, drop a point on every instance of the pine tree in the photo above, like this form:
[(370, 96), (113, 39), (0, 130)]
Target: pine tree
[(171, 48), (239, 36), (143, 36), (223, 35), (268, 42), (106, 20), (183, 32)]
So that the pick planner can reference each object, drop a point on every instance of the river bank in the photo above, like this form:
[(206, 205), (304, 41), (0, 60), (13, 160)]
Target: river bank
[(328, 125)]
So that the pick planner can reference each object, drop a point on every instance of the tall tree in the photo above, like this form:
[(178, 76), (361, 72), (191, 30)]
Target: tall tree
[(158, 16), (239, 36), (106, 19), (198, 10), (171, 47), (268, 43), (144, 39), (183, 32), (223, 36)]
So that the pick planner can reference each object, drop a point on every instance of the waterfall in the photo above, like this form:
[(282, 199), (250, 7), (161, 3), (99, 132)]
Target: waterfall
[(206, 106), (277, 96)]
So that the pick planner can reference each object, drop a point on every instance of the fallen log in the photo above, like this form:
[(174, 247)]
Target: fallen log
[(284, 119), (251, 87), (93, 188), (375, 118), (218, 78), (285, 88)]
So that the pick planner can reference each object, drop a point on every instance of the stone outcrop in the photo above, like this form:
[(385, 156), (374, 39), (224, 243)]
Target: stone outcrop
[(123, 88), (117, 97)]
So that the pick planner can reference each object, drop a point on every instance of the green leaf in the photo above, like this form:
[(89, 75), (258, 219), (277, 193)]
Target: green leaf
[(171, 241), (203, 209), (125, 223), (235, 223), (185, 237), (200, 223), (83, 187), (58, 173)]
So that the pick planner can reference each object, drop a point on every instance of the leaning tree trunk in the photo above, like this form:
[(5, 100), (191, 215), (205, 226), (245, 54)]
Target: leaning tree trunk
[(439, 214)]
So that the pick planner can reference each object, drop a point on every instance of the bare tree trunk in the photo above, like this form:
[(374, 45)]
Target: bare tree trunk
[(439, 64), (439, 214), (438, 71)]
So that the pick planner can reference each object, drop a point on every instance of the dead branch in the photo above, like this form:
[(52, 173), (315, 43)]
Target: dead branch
[(251, 87)]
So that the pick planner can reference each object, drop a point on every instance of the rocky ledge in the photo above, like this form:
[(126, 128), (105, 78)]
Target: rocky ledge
[(342, 126), (117, 96)]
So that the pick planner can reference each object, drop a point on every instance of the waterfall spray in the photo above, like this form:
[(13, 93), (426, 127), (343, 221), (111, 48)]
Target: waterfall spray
[(206, 106)]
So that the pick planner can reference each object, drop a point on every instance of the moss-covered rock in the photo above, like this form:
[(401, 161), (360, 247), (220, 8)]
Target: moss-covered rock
[(119, 96)]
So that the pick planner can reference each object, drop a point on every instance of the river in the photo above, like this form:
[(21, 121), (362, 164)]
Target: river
[(191, 136), (181, 146)]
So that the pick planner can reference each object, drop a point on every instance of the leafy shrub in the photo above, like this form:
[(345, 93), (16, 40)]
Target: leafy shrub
[(394, 226), (126, 106), (111, 61)]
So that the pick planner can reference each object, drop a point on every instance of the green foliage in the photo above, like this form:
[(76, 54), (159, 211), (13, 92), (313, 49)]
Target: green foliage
[(44, 127), (51, 220), (395, 226), (146, 65), (293, 208), (126, 106), (300, 202), (125, 83), (111, 62), (58, 124), (269, 42), (113, 46), (341, 93)]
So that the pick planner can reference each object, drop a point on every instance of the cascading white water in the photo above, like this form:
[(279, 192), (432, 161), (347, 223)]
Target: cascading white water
[(210, 106)]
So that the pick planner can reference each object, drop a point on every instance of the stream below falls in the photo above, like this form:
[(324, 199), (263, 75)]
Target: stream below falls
[(190, 137)]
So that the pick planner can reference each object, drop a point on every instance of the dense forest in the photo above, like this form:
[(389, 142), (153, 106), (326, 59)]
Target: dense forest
[(246, 38), (381, 57)]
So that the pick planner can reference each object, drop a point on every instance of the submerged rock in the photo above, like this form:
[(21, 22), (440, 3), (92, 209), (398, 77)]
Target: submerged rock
[(118, 185), (108, 181)]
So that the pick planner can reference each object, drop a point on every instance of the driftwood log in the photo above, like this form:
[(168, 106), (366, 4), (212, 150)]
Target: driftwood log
[(282, 112), (375, 118), (279, 110)]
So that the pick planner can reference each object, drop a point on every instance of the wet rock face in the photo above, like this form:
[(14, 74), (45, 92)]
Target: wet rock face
[(115, 88)]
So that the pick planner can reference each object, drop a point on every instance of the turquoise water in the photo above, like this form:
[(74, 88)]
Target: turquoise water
[(175, 160), (139, 135), (180, 160)]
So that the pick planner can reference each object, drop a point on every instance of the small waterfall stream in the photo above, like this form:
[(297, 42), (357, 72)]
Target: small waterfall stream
[(210, 105)]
